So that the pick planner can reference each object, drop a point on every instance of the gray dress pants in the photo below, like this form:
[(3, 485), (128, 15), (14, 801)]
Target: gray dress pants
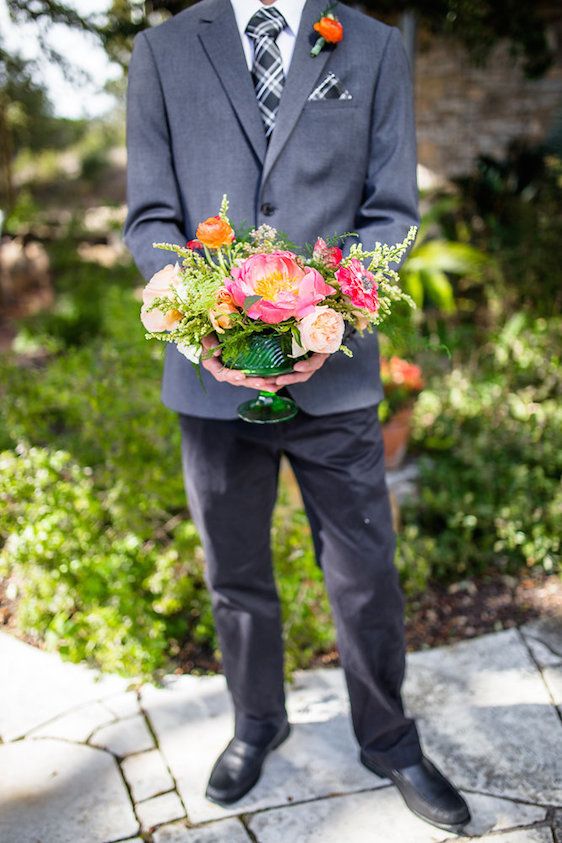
[(230, 471)]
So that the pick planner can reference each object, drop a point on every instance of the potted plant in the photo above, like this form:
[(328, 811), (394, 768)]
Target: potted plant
[(402, 383)]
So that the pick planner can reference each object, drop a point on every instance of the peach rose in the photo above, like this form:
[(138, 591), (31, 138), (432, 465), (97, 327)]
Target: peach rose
[(322, 330), (155, 320), (221, 317), (361, 321), (221, 314), (214, 232), (162, 283)]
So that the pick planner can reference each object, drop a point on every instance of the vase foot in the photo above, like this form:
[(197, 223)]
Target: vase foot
[(268, 408)]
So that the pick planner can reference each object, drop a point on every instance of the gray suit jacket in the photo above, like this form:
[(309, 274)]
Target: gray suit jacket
[(194, 132)]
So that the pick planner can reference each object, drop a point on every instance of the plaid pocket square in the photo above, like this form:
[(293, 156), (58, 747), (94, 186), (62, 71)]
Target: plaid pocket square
[(330, 88)]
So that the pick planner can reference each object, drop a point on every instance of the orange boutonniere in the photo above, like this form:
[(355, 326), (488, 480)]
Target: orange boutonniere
[(328, 28)]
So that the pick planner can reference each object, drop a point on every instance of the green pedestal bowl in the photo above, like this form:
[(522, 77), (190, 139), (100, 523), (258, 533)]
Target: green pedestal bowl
[(265, 356)]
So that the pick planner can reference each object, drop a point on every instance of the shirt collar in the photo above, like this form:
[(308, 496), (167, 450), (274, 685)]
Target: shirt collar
[(290, 9)]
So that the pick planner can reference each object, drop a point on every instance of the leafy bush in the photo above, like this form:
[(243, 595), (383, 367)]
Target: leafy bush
[(512, 207), (490, 491)]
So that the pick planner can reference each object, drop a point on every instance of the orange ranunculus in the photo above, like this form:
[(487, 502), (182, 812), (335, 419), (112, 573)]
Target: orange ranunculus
[(331, 30), (214, 232)]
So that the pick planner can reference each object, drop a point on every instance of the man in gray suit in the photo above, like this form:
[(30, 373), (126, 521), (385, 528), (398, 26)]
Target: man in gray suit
[(226, 98)]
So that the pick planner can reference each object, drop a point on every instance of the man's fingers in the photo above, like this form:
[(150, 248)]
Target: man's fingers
[(311, 364), (211, 341), (225, 375), (298, 377)]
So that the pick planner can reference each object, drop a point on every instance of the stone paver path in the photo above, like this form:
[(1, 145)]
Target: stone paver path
[(83, 758)]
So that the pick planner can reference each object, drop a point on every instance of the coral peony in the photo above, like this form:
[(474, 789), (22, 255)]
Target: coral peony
[(329, 255), (359, 285), (322, 330), (215, 232), (286, 289)]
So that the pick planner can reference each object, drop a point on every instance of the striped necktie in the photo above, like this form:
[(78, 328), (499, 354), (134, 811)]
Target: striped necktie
[(267, 69)]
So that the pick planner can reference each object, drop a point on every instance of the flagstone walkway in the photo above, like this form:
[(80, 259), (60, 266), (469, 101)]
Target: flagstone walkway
[(85, 760)]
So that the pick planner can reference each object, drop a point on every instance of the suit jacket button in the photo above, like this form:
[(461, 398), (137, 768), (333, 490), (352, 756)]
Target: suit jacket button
[(267, 209)]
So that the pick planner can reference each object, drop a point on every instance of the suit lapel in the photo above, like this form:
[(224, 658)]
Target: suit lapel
[(221, 41), (304, 71)]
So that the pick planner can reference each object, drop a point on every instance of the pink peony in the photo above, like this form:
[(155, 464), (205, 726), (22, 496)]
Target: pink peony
[(322, 330), (359, 285), (286, 289), (329, 255)]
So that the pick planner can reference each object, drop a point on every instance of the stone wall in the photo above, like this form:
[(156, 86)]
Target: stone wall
[(463, 111)]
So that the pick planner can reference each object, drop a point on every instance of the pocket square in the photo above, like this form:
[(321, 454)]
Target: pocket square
[(330, 88)]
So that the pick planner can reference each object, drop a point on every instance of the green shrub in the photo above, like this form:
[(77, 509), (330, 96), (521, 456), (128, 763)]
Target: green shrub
[(82, 576), (491, 434), (512, 208)]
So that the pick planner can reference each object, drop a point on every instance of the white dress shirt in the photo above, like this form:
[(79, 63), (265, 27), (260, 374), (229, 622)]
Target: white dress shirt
[(291, 11)]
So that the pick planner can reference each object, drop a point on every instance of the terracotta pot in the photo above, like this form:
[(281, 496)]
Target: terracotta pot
[(396, 433)]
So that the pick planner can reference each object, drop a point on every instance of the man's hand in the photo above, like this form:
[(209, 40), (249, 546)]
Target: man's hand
[(304, 369), (220, 372)]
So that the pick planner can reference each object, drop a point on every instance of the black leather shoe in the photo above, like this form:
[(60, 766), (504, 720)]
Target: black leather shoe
[(426, 792), (238, 767)]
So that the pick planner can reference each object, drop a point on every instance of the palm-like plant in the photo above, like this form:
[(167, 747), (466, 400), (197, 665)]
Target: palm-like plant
[(426, 272)]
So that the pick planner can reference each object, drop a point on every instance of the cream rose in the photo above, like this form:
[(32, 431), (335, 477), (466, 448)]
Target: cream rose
[(322, 330), (191, 351), (162, 283)]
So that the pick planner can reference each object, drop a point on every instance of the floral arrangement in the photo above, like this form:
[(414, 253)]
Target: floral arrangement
[(329, 28), (238, 284), (402, 382)]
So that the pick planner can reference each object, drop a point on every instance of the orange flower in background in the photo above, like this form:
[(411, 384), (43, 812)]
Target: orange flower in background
[(397, 372), (214, 233), (329, 29)]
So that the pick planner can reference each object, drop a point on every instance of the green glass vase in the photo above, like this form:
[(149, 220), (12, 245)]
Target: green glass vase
[(265, 355)]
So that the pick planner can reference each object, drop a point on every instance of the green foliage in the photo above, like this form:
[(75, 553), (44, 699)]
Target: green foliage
[(437, 255), (480, 25), (512, 208), (491, 432), (81, 574)]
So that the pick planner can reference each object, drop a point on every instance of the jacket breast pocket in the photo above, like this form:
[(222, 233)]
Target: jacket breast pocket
[(328, 104)]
